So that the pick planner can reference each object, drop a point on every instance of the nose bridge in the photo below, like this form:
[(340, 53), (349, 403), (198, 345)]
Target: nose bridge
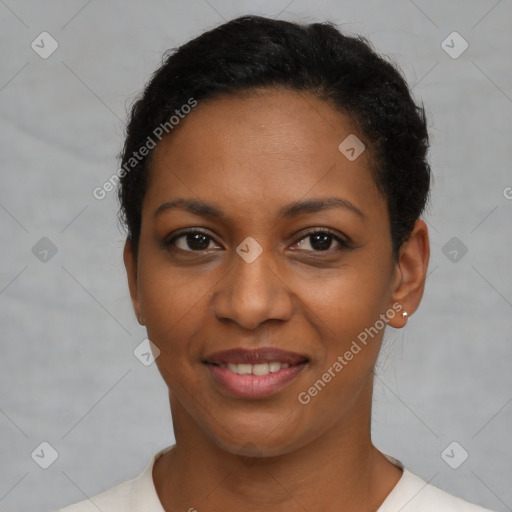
[(252, 293)]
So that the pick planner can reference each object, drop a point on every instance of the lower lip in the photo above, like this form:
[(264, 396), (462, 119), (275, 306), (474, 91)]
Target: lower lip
[(254, 386)]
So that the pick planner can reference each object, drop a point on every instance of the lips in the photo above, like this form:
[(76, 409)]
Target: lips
[(256, 356), (254, 373)]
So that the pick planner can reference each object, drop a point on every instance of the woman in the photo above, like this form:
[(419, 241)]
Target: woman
[(272, 183)]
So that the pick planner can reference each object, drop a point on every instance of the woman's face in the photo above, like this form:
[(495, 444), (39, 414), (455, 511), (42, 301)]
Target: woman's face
[(264, 170)]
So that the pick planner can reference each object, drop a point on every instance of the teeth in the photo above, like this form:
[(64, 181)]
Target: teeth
[(260, 369), (274, 366), (244, 369), (256, 369)]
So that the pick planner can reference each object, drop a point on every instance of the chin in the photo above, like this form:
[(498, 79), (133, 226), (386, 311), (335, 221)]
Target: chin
[(257, 436)]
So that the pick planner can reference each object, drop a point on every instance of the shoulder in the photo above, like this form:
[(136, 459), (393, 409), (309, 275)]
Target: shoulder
[(129, 496), (116, 498), (413, 494)]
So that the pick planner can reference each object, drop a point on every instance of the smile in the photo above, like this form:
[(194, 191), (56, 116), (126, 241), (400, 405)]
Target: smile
[(255, 369), (254, 373)]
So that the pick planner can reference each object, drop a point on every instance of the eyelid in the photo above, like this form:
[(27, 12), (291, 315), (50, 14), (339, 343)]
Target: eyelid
[(343, 242), (186, 231)]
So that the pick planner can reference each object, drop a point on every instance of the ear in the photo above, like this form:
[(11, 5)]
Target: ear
[(130, 263), (410, 273)]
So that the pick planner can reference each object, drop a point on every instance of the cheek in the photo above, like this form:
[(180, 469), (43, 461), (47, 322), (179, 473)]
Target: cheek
[(346, 311), (351, 332), (174, 309), (348, 301)]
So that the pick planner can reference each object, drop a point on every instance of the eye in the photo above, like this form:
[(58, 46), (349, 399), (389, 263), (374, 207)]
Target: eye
[(320, 240), (190, 241)]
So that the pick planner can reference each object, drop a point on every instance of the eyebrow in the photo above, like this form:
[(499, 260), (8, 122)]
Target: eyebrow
[(201, 208)]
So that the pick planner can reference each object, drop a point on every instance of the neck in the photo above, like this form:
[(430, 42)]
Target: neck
[(339, 470)]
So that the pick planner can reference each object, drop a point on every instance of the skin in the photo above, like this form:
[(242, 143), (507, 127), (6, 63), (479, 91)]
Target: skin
[(251, 155)]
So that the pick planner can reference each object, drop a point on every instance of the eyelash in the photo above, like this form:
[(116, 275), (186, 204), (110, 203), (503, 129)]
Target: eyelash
[(326, 231)]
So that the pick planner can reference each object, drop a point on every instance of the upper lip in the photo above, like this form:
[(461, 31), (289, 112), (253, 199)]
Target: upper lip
[(255, 356)]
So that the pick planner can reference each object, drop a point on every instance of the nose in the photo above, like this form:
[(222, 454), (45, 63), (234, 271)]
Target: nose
[(252, 293)]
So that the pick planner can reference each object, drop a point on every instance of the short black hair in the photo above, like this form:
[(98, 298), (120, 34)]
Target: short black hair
[(253, 52)]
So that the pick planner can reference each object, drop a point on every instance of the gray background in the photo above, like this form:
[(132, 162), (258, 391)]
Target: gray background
[(68, 375)]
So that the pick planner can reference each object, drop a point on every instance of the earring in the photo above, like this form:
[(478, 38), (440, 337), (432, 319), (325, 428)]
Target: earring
[(405, 314)]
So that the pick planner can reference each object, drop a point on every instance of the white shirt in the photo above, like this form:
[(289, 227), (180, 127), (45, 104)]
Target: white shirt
[(410, 494)]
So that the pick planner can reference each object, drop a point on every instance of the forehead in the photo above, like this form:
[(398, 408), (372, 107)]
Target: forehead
[(275, 145)]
